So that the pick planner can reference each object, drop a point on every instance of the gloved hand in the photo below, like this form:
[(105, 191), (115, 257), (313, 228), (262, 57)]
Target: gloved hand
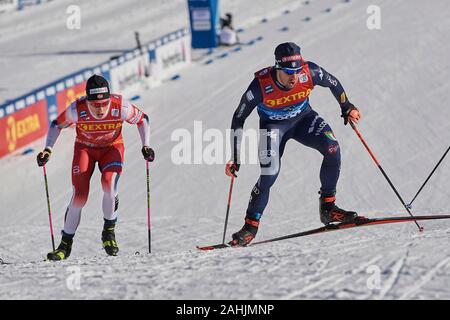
[(350, 113), (232, 168), (43, 157), (148, 153)]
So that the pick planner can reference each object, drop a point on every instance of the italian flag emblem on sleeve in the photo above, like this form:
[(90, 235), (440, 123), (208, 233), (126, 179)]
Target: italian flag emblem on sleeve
[(330, 135)]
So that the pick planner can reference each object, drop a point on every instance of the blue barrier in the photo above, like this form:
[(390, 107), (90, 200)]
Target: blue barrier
[(204, 22), (11, 106), (21, 4)]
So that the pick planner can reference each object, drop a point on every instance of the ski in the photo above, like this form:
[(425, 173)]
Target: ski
[(359, 222), (213, 247)]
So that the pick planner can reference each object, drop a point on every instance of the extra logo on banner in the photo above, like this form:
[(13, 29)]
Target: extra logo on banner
[(23, 127), (67, 96)]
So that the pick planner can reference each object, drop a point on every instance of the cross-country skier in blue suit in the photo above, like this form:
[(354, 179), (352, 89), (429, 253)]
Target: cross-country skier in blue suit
[(281, 96)]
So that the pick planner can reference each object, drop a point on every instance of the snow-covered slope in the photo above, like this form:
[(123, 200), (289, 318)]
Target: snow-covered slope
[(397, 76), (34, 41)]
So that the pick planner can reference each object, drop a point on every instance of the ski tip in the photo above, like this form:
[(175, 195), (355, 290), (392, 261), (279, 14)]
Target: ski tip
[(213, 247), (205, 248)]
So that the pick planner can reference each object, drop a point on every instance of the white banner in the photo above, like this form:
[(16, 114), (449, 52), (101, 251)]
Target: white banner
[(171, 57), (127, 78), (8, 5)]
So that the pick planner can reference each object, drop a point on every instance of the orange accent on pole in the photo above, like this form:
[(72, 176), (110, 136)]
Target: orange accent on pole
[(364, 143), (384, 174)]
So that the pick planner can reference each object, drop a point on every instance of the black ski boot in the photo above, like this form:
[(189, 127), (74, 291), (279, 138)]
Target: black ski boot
[(330, 212), (248, 232), (63, 250), (109, 238)]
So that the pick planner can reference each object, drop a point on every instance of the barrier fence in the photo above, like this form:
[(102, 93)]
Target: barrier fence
[(27, 118)]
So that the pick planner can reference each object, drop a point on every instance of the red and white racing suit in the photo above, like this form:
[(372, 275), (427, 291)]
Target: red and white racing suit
[(97, 141)]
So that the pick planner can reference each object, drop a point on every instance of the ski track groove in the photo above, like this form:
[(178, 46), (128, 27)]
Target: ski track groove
[(336, 279), (393, 279), (320, 264), (426, 278), (341, 271)]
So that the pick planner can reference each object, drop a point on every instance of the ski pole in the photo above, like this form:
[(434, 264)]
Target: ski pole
[(228, 209), (49, 210), (148, 211), (382, 171), (426, 181)]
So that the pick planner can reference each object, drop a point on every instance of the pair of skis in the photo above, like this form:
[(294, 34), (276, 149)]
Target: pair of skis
[(359, 222)]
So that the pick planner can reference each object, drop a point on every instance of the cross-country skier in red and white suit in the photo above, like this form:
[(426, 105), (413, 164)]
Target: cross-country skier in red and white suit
[(98, 118)]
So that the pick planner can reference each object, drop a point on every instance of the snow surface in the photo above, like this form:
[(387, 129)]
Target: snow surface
[(38, 39), (397, 76)]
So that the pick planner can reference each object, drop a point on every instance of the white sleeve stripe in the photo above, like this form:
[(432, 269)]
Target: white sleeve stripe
[(126, 109), (71, 114)]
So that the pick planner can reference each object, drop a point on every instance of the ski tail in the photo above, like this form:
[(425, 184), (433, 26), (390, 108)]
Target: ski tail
[(359, 222)]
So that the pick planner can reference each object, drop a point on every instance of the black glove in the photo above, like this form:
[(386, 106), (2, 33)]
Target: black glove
[(43, 157), (148, 153), (349, 111)]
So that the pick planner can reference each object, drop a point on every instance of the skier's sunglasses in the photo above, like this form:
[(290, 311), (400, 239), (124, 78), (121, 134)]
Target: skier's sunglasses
[(99, 104), (291, 71)]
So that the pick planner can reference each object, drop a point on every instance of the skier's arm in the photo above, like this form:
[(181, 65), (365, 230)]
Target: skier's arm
[(322, 78), (64, 120), (325, 79), (249, 101), (132, 115)]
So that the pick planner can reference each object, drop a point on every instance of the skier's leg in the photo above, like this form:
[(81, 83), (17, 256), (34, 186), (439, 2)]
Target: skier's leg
[(82, 169), (110, 204), (83, 166), (273, 139), (111, 164), (314, 132), (271, 147), (111, 167)]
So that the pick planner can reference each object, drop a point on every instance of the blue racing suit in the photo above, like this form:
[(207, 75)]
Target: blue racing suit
[(286, 114)]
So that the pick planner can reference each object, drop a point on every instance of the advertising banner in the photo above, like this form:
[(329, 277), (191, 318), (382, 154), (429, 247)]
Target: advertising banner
[(8, 5), (23, 127), (171, 57), (127, 77), (65, 97)]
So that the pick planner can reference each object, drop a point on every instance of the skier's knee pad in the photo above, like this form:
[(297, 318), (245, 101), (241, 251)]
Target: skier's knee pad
[(332, 154)]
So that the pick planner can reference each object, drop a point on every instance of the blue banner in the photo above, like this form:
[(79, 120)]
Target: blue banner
[(205, 23)]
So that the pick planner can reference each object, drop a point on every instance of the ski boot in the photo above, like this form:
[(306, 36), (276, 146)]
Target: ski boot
[(63, 250), (109, 238), (330, 212), (248, 232)]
